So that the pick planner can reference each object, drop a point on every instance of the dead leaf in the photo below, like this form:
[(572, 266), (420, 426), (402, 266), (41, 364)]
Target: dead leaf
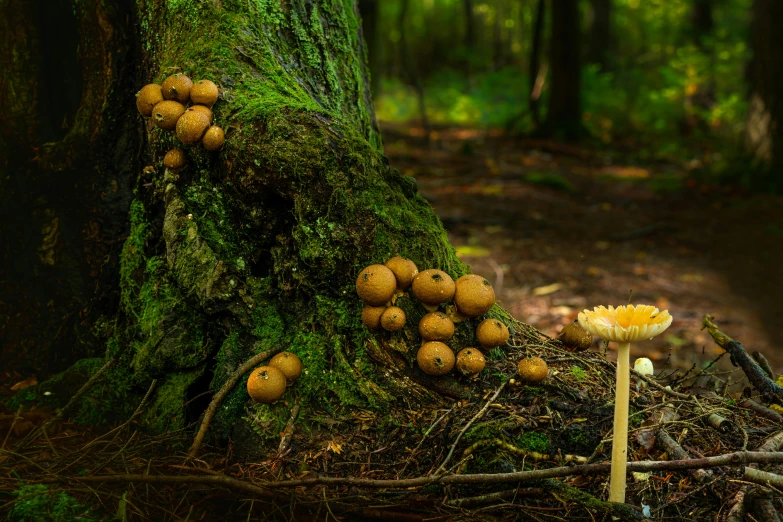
[(548, 289), (21, 385), (335, 447)]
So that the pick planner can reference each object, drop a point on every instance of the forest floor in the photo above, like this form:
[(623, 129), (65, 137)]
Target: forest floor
[(559, 228)]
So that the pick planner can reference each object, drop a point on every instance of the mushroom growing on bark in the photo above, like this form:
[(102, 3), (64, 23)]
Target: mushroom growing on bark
[(623, 325)]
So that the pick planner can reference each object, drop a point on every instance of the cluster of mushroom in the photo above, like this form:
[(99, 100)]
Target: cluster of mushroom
[(470, 296), (574, 339), (267, 384), (166, 105)]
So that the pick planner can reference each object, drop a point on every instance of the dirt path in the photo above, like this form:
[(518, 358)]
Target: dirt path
[(559, 228)]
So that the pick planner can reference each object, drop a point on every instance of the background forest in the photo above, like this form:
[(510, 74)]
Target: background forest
[(657, 79)]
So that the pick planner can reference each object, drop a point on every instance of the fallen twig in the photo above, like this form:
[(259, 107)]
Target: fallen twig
[(225, 390), (762, 410), (756, 375), (738, 458), (469, 424), (288, 432), (675, 450), (737, 512)]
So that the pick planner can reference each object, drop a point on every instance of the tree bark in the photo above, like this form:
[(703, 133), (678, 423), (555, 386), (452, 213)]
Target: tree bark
[(764, 126), (251, 248), (535, 62), (600, 33), (564, 114)]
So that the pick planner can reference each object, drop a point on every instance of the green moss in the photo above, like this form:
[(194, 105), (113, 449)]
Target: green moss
[(578, 373), (534, 441), (37, 503), (167, 412)]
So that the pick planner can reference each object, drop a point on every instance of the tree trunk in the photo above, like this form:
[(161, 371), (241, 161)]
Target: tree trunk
[(68, 152), (411, 72), (564, 114), (764, 127), (600, 33), (534, 72), (369, 12), (251, 248)]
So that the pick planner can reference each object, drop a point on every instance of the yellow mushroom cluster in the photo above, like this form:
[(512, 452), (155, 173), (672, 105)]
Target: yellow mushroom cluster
[(267, 384), (167, 105), (470, 296)]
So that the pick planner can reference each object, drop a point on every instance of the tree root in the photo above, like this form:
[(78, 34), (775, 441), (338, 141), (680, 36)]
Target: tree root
[(224, 390)]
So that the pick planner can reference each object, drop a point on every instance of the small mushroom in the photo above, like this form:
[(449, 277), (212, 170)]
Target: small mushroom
[(491, 333), (371, 316), (435, 358), (470, 361), (533, 369), (202, 108), (393, 319), (192, 125), (289, 364), (148, 97), (436, 326), (204, 92), (404, 270), (266, 384), (433, 287), (623, 325), (166, 114), (575, 338), (175, 159), (376, 285), (473, 295), (214, 137), (177, 87), (643, 366)]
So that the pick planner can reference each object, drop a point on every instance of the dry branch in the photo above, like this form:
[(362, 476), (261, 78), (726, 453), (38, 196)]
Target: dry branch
[(756, 375)]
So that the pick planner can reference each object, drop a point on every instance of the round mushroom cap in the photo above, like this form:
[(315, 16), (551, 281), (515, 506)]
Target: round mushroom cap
[(266, 384), (204, 92), (148, 97), (533, 369), (175, 159), (435, 358), (371, 316), (433, 286), (376, 285), (404, 270), (191, 126), (473, 295), (167, 113), (491, 333), (289, 364), (575, 338), (393, 318), (436, 326), (214, 137), (202, 108), (644, 366), (470, 361), (177, 87)]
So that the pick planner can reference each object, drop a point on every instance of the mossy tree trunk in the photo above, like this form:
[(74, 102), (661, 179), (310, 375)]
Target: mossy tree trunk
[(258, 246)]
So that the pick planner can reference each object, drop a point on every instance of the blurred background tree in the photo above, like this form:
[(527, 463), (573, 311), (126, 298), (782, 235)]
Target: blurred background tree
[(674, 79)]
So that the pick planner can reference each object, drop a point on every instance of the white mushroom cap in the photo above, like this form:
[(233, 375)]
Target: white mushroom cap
[(644, 366), (625, 324)]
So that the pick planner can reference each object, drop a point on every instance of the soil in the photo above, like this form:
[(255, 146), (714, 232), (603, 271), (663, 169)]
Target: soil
[(559, 228)]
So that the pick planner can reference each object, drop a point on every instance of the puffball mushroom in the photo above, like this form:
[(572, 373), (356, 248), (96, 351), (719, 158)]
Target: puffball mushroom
[(175, 159), (371, 316), (470, 361), (575, 338), (393, 319), (376, 285), (433, 287), (491, 333), (266, 384), (436, 326), (435, 358), (473, 295), (148, 97), (288, 363), (533, 369), (404, 270), (623, 325), (204, 92), (177, 87)]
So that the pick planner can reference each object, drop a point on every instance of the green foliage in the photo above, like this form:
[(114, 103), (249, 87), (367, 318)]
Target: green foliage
[(534, 441), (549, 179), (578, 373), (34, 503)]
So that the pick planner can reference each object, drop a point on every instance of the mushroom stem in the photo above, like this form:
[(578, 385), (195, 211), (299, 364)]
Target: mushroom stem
[(620, 436)]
